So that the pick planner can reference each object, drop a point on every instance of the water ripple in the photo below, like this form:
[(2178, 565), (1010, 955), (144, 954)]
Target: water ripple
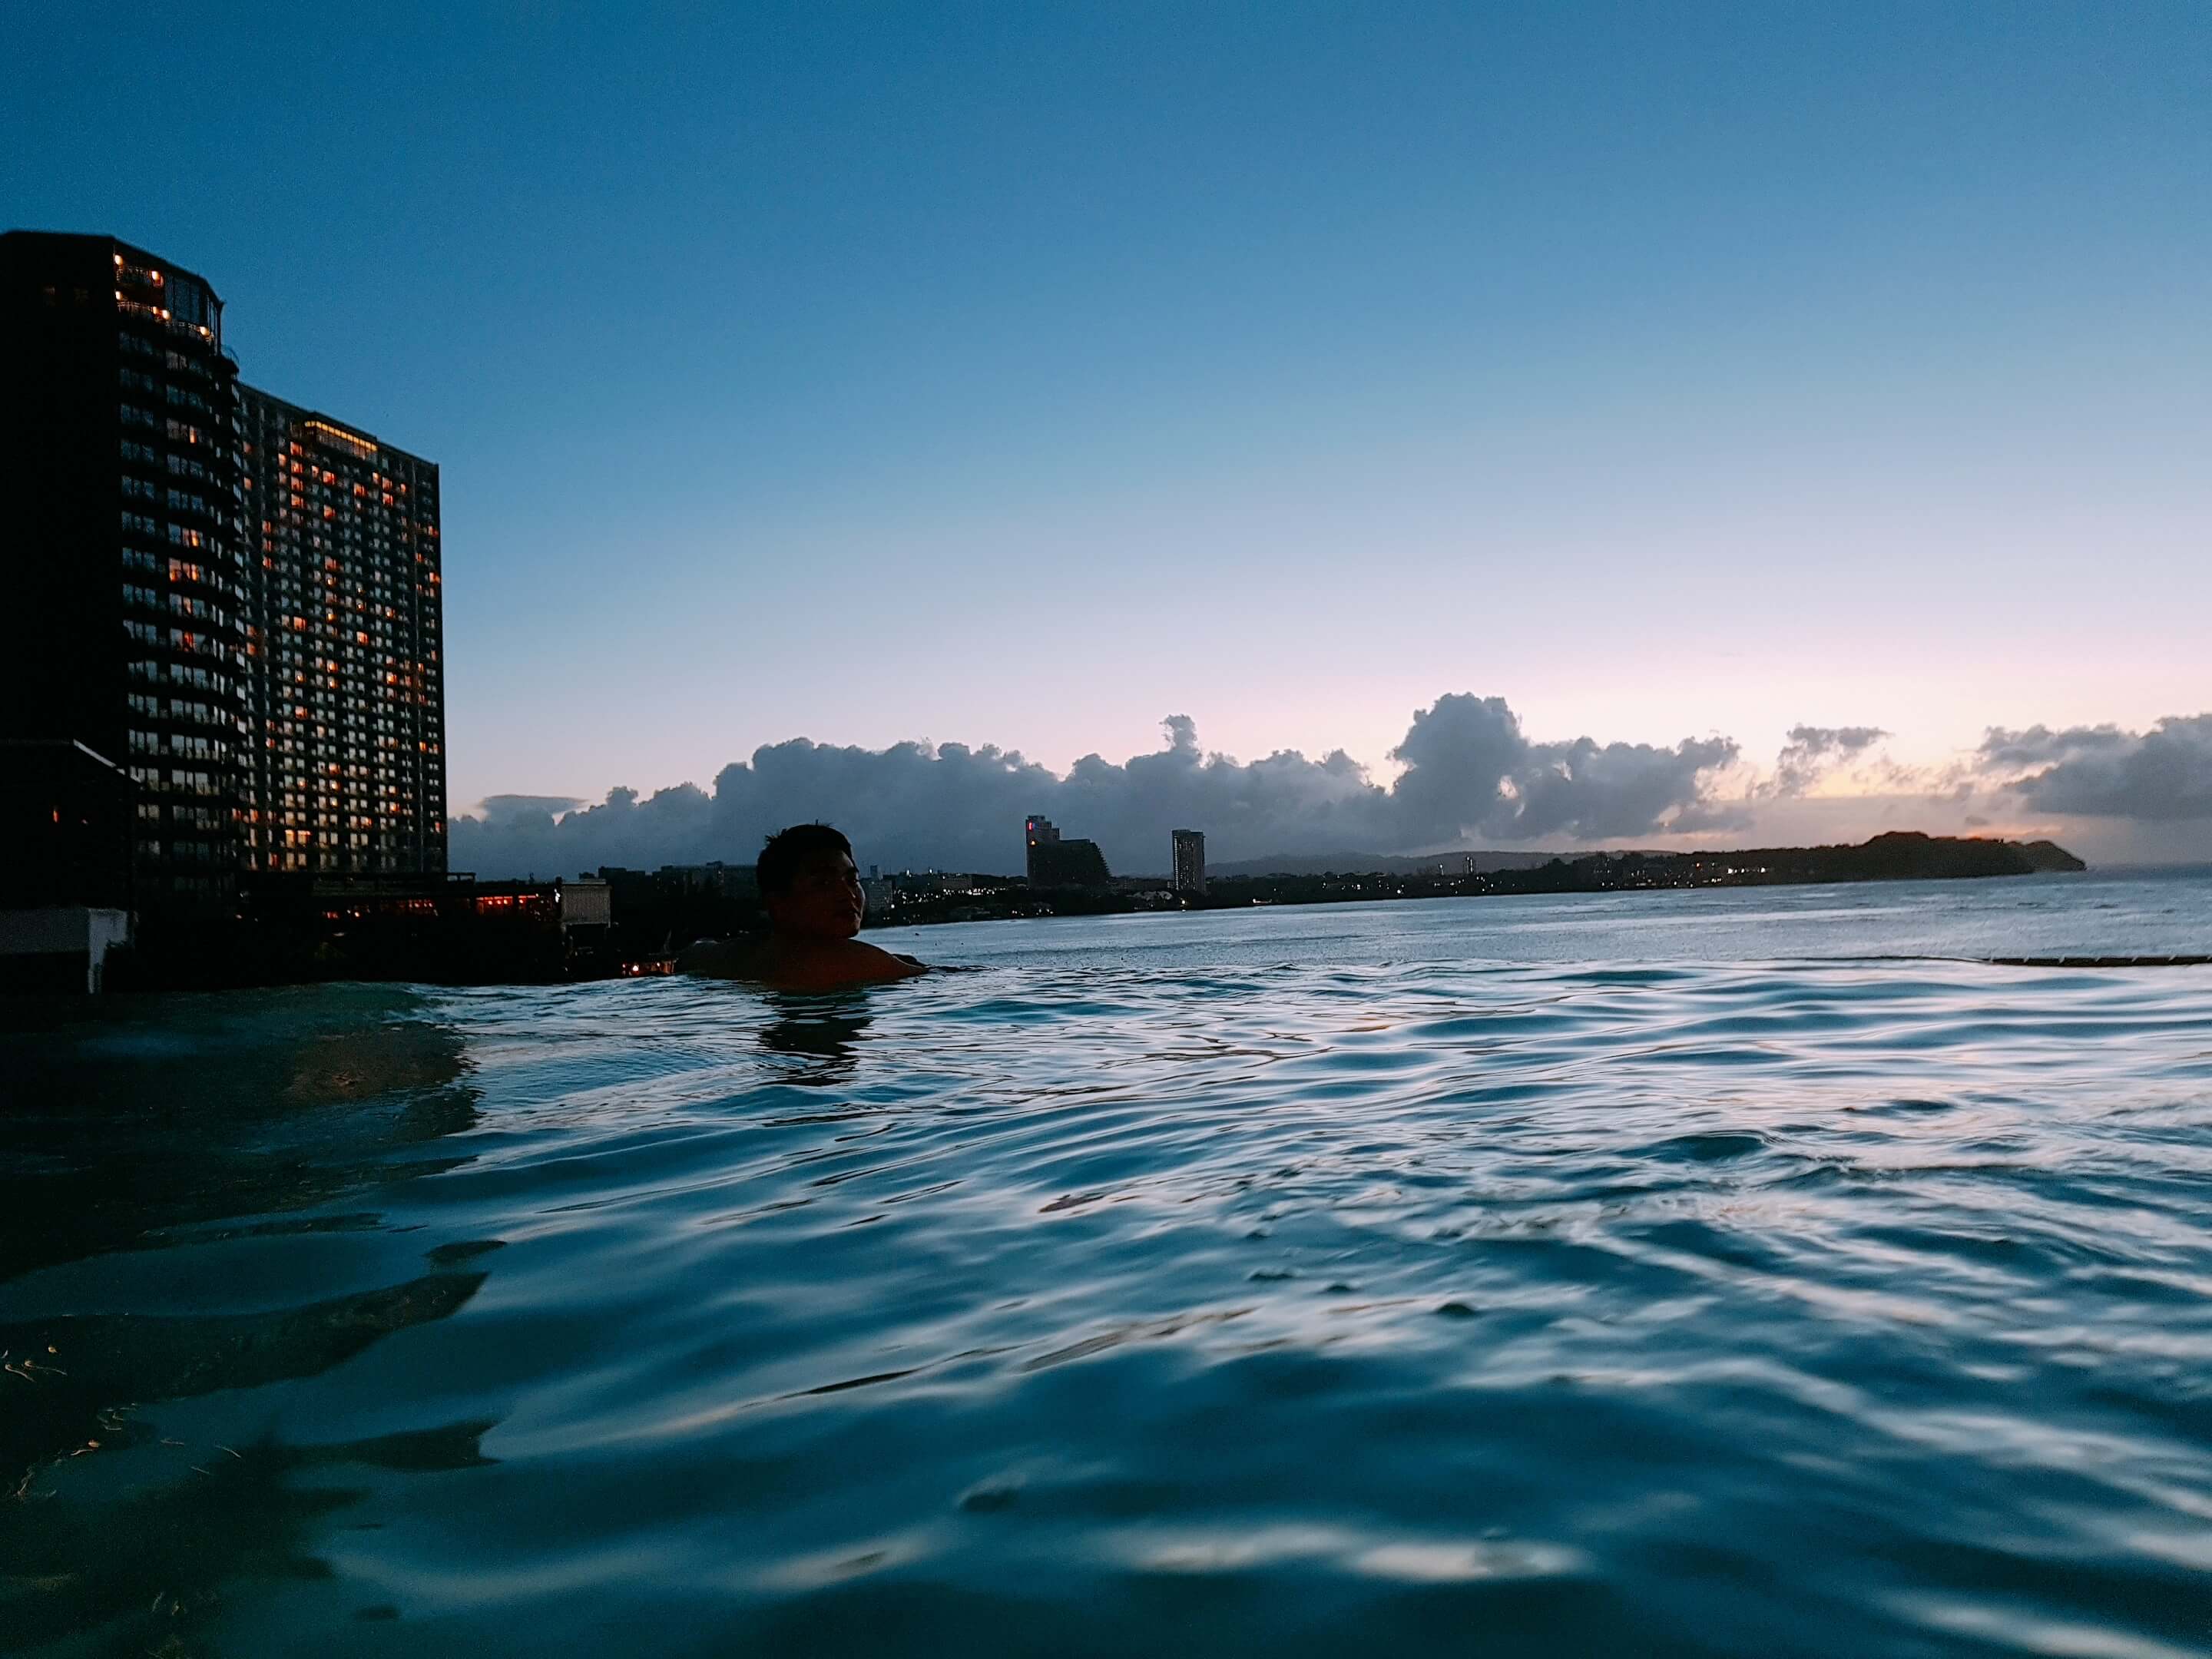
[(1655, 1309)]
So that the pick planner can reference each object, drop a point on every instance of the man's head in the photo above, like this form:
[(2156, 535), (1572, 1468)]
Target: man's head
[(808, 883)]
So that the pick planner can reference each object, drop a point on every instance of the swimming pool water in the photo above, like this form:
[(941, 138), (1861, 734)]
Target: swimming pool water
[(1618, 1276)]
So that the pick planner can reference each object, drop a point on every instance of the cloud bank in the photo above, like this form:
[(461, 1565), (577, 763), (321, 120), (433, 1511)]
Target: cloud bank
[(2161, 776), (1469, 774)]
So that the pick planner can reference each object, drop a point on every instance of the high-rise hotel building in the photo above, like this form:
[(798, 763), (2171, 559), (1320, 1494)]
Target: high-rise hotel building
[(235, 600), (345, 696), (1187, 850), (122, 542)]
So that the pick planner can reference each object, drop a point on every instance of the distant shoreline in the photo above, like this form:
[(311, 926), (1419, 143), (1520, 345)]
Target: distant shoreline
[(1899, 856)]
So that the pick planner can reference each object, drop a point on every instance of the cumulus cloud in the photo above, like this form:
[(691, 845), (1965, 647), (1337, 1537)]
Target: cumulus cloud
[(1814, 751), (1470, 770), (2039, 745), (1469, 773), (2161, 776), (509, 809), (1594, 793)]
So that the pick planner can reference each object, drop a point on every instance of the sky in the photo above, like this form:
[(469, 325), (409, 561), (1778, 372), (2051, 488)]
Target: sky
[(1011, 378)]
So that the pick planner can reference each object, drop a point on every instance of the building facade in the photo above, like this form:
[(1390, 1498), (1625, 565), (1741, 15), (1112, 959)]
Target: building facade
[(1187, 868), (125, 542), (1041, 836), (235, 599), (345, 772), (1056, 862)]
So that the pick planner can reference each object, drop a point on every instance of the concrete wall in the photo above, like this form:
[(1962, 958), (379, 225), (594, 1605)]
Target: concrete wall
[(61, 949)]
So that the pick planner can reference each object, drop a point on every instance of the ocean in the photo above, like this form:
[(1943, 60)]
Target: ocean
[(1747, 1273)]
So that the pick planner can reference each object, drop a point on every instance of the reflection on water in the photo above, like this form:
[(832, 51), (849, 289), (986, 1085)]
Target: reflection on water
[(84, 1367), (819, 1028), (127, 1130), (143, 1561), (243, 1121), (1242, 1299)]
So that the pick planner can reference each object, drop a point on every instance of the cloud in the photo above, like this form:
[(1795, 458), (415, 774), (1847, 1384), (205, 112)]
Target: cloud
[(1814, 751), (1469, 773), (511, 809), (2161, 776), (1594, 793), (2039, 745), (1460, 756)]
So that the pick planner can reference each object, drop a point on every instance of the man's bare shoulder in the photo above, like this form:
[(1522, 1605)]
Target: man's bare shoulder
[(894, 965), (744, 957), (843, 963), (847, 961)]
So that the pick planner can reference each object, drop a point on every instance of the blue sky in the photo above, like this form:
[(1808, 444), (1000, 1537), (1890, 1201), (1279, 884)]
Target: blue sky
[(1023, 373)]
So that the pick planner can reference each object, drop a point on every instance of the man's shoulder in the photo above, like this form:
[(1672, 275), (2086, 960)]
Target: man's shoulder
[(889, 961), (722, 959), (850, 962)]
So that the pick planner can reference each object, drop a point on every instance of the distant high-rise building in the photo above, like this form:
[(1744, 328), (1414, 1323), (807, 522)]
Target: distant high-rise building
[(1055, 862), (1038, 833), (1190, 866), (346, 705), (125, 540)]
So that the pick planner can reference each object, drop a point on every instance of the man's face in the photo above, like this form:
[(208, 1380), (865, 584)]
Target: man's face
[(823, 900)]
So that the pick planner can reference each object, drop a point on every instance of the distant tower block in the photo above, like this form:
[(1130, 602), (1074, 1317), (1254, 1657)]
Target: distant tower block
[(1039, 833), (1054, 862), (1189, 865)]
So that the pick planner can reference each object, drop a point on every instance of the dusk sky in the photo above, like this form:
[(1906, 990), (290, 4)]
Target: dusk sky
[(1023, 374)]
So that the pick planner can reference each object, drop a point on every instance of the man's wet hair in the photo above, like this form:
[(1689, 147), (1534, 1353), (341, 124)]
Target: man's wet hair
[(783, 852)]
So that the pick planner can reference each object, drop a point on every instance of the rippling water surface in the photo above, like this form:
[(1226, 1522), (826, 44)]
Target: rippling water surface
[(1685, 1274)]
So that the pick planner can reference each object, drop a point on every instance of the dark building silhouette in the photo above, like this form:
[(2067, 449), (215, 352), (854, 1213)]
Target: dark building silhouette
[(1055, 861), (1187, 871), (1039, 833), (67, 821), (125, 568), (235, 599), (345, 692), (68, 818)]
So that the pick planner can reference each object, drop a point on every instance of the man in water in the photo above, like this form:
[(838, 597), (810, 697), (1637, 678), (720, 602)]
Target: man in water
[(810, 888)]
